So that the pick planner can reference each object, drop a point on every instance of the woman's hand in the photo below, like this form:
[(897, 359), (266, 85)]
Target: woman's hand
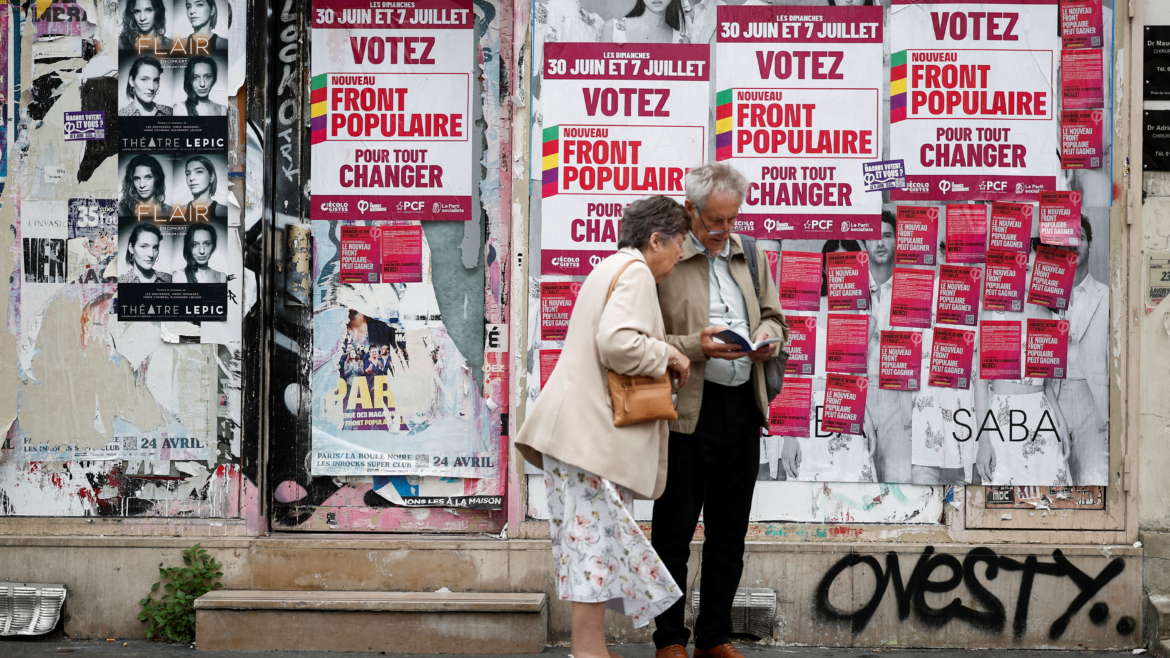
[(680, 364), (985, 462)]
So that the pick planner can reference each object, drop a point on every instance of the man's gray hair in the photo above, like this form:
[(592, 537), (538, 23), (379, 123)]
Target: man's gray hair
[(714, 178), (645, 217)]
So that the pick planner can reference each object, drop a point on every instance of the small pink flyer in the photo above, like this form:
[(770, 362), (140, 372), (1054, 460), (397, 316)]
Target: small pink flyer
[(911, 298), (1080, 139), (800, 280), (1004, 280), (361, 255), (848, 274), (401, 254), (1060, 218), (1046, 352), (556, 305), (958, 295), (900, 366), (790, 411), (950, 358), (1081, 24), (966, 233), (802, 345), (847, 343), (773, 265), (548, 361), (1011, 227), (1082, 79), (999, 349), (916, 240), (1052, 277), (844, 410)]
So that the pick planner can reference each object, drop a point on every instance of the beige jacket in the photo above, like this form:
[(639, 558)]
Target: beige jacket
[(686, 309), (572, 420)]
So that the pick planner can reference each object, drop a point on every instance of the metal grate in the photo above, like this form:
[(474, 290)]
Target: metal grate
[(753, 611), (30, 608)]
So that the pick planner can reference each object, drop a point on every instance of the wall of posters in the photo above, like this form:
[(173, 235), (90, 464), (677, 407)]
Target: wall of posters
[(622, 121), (798, 111), (391, 110)]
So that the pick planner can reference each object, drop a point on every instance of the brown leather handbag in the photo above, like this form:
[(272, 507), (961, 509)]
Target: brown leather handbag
[(638, 399)]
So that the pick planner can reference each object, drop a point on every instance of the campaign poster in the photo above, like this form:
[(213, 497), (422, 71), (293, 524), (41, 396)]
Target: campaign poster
[(790, 411), (1004, 278), (621, 122), (798, 110), (556, 306), (911, 297), (1082, 79), (1081, 139), (1060, 218), (972, 105), (401, 253), (847, 344), (802, 345), (999, 349), (848, 275), (1081, 23), (900, 360), (391, 118), (361, 255), (1011, 227), (844, 403), (1046, 352), (800, 280), (966, 234), (548, 361), (773, 265), (916, 240), (958, 294), (951, 355), (1052, 277), (85, 126), (381, 252)]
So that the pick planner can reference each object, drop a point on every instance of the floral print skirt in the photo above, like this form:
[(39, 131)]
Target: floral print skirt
[(599, 552)]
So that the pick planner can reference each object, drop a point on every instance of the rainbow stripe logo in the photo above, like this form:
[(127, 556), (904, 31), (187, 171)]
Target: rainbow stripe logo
[(550, 162), (898, 86), (723, 131), (318, 112)]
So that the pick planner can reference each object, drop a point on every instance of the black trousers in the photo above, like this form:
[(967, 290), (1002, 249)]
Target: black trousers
[(714, 471)]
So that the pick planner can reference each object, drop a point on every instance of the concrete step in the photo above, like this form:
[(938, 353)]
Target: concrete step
[(393, 622)]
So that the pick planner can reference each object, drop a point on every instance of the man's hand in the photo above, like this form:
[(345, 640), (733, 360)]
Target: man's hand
[(717, 349), (765, 352)]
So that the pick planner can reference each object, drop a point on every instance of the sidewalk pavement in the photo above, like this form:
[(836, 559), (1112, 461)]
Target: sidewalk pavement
[(10, 648)]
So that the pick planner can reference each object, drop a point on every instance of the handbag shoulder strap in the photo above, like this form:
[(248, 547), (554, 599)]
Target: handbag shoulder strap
[(617, 276), (753, 262)]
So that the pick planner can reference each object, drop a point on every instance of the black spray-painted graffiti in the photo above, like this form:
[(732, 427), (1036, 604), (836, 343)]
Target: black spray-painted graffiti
[(990, 614)]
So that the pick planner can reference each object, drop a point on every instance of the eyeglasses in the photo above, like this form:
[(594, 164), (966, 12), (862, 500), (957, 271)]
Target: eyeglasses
[(728, 222)]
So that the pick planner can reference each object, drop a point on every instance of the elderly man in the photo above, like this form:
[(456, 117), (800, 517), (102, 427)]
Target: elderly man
[(714, 449)]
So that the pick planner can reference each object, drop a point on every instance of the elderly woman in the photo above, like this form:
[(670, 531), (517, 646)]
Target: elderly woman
[(594, 470)]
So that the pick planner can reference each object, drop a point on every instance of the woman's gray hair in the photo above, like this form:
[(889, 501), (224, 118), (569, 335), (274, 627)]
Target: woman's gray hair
[(714, 178), (645, 217)]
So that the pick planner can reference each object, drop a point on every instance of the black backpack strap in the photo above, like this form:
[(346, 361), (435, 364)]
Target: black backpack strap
[(749, 252)]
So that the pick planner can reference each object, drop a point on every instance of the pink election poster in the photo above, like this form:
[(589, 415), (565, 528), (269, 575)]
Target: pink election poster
[(1081, 138), (950, 358), (381, 254), (911, 298), (844, 403), (401, 254), (556, 305), (1081, 24), (966, 234), (1060, 218), (800, 280), (900, 362), (790, 411), (1046, 352), (773, 264), (848, 274), (916, 240), (548, 361), (999, 349), (802, 345), (847, 343), (1004, 280), (958, 295), (1011, 226), (361, 255), (1082, 79), (1052, 277)]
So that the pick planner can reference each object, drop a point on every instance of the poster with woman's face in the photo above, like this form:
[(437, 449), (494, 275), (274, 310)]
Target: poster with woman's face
[(145, 252), (146, 185), (201, 180), (145, 19), (199, 251), (145, 86), (200, 85), (205, 18)]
